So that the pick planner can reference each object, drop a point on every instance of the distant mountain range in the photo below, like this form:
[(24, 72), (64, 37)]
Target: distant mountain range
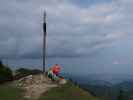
[(107, 90), (111, 78)]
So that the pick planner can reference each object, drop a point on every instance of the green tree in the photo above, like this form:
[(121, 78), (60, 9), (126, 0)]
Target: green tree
[(5, 73)]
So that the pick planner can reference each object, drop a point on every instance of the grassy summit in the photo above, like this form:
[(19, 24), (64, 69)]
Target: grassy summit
[(66, 92), (10, 92)]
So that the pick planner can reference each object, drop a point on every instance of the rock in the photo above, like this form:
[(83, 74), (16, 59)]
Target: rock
[(62, 81)]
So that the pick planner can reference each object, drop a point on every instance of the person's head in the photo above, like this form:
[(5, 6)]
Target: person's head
[(56, 64)]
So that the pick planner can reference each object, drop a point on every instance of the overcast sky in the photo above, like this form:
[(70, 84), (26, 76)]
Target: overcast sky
[(96, 32)]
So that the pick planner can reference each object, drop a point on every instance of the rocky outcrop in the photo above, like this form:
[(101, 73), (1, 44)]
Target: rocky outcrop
[(35, 85)]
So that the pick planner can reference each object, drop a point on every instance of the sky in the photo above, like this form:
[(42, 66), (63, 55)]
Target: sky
[(83, 36)]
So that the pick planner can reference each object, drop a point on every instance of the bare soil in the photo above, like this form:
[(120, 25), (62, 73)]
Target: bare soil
[(35, 85)]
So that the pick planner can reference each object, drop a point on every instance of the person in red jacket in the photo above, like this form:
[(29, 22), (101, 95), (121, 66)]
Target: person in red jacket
[(56, 69), (53, 72)]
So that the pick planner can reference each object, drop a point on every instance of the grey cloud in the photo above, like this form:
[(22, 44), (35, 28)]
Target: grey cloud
[(72, 31)]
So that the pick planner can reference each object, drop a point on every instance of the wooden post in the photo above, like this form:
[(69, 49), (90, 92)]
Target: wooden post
[(44, 42)]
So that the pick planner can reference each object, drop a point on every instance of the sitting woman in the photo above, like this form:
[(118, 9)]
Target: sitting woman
[(54, 72)]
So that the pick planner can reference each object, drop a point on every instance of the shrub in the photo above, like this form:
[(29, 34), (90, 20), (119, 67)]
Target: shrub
[(5, 73)]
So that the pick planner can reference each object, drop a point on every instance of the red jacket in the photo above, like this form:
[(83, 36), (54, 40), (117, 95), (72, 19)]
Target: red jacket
[(56, 69)]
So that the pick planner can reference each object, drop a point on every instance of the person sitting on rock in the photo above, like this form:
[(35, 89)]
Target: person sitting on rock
[(53, 72)]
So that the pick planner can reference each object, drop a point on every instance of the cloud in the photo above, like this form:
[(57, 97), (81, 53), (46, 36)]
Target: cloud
[(73, 31)]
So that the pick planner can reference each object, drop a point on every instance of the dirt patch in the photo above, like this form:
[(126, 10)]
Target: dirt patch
[(35, 85)]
